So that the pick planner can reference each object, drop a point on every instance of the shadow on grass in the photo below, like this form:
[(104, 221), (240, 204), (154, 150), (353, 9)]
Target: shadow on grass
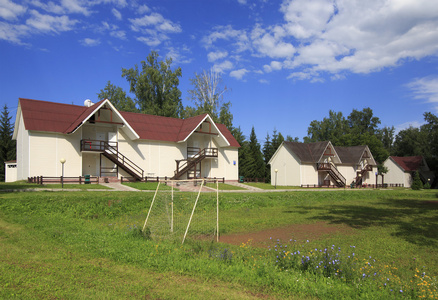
[(413, 220)]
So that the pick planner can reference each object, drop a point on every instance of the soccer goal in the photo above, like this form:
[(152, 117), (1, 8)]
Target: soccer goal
[(182, 209)]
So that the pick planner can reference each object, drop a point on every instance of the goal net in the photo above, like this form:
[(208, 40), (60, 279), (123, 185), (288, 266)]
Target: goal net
[(182, 209)]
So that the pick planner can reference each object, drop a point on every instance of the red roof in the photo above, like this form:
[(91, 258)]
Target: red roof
[(408, 163), (65, 118)]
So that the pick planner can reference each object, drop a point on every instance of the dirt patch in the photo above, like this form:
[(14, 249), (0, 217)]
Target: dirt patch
[(298, 232)]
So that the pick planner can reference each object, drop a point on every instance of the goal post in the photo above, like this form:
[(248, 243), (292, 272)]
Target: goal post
[(184, 208)]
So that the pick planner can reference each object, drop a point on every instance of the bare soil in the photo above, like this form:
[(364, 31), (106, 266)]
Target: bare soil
[(298, 232)]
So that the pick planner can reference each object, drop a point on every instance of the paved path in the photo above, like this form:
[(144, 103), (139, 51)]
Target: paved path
[(117, 186), (244, 186)]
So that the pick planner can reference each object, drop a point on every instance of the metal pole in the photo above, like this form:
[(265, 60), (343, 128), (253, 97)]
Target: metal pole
[(62, 177)]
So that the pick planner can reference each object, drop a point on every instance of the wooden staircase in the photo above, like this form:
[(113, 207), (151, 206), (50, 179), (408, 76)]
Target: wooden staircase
[(112, 153), (190, 164), (360, 174), (333, 172)]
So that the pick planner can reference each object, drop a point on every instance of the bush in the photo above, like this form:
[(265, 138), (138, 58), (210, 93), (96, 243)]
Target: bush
[(416, 182)]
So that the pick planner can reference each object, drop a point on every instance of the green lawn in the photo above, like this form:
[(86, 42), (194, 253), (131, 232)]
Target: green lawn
[(89, 245), (269, 186), (147, 186)]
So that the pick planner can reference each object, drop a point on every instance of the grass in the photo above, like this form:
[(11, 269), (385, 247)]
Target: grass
[(86, 245), (21, 185), (269, 186)]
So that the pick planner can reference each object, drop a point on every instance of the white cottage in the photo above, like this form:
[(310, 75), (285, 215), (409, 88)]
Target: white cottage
[(401, 169), (97, 139), (322, 164)]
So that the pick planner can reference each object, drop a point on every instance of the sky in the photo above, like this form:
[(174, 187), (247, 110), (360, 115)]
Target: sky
[(285, 63)]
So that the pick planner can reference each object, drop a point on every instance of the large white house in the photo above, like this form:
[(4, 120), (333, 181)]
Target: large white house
[(401, 169), (322, 164), (98, 140)]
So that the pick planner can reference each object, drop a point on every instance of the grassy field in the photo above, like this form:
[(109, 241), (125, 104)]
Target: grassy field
[(88, 245)]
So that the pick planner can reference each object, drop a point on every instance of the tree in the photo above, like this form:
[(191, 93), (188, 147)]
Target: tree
[(7, 145), (386, 135), (207, 96), (243, 151), (267, 154), (118, 98), (256, 165), (410, 142), (416, 182), (156, 86), (361, 122), (334, 129)]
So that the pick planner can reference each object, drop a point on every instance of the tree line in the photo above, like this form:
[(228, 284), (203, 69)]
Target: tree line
[(155, 86)]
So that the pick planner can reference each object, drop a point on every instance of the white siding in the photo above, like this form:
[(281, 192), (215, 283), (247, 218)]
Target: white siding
[(22, 151), (395, 174), (289, 170)]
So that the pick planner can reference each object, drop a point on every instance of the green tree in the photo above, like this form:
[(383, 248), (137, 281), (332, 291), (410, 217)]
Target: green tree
[(118, 98), (267, 154), (155, 86), (7, 146), (361, 122), (411, 142), (334, 129), (387, 135), (243, 153), (256, 165), (416, 182)]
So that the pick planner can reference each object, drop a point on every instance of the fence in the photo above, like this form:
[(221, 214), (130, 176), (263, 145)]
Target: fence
[(371, 186), (61, 179), (157, 178), (263, 180)]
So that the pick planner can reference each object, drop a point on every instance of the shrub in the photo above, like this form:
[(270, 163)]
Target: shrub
[(416, 182)]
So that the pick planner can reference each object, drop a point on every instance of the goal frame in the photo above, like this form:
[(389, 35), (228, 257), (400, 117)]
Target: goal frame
[(203, 180)]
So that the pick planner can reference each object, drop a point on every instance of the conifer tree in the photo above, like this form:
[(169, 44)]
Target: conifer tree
[(416, 182), (256, 167), (7, 145)]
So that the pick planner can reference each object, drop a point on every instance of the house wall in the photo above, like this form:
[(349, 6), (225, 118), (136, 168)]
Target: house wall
[(46, 151), (289, 170), (395, 174), (22, 151), (349, 173), (310, 174), (154, 157)]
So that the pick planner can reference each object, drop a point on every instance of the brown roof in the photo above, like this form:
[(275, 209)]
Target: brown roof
[(307, 152), (65, 118), (350, 155), (312, 152), (408, 163)]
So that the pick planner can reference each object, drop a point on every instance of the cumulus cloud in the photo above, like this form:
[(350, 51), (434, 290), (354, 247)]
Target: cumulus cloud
[(334, 37), (238, 74), (273, 66), (10, 10), (222, 67)]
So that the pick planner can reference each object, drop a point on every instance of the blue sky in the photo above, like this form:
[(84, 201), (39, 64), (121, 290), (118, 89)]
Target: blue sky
[(286, 62)]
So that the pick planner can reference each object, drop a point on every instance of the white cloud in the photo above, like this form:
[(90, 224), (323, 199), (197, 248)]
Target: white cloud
[(238, 74), (426, 88), (222, 67), (10, 10), (213, 56), (76, 6), (90, 42), (117, 14), (242, 2), (143, 9), (273, 66), (47, 23), (239, 38), (13, 33), (150, 41), (156, 21), (120, 34), (406, 125), (49, 7), (264, 81)]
